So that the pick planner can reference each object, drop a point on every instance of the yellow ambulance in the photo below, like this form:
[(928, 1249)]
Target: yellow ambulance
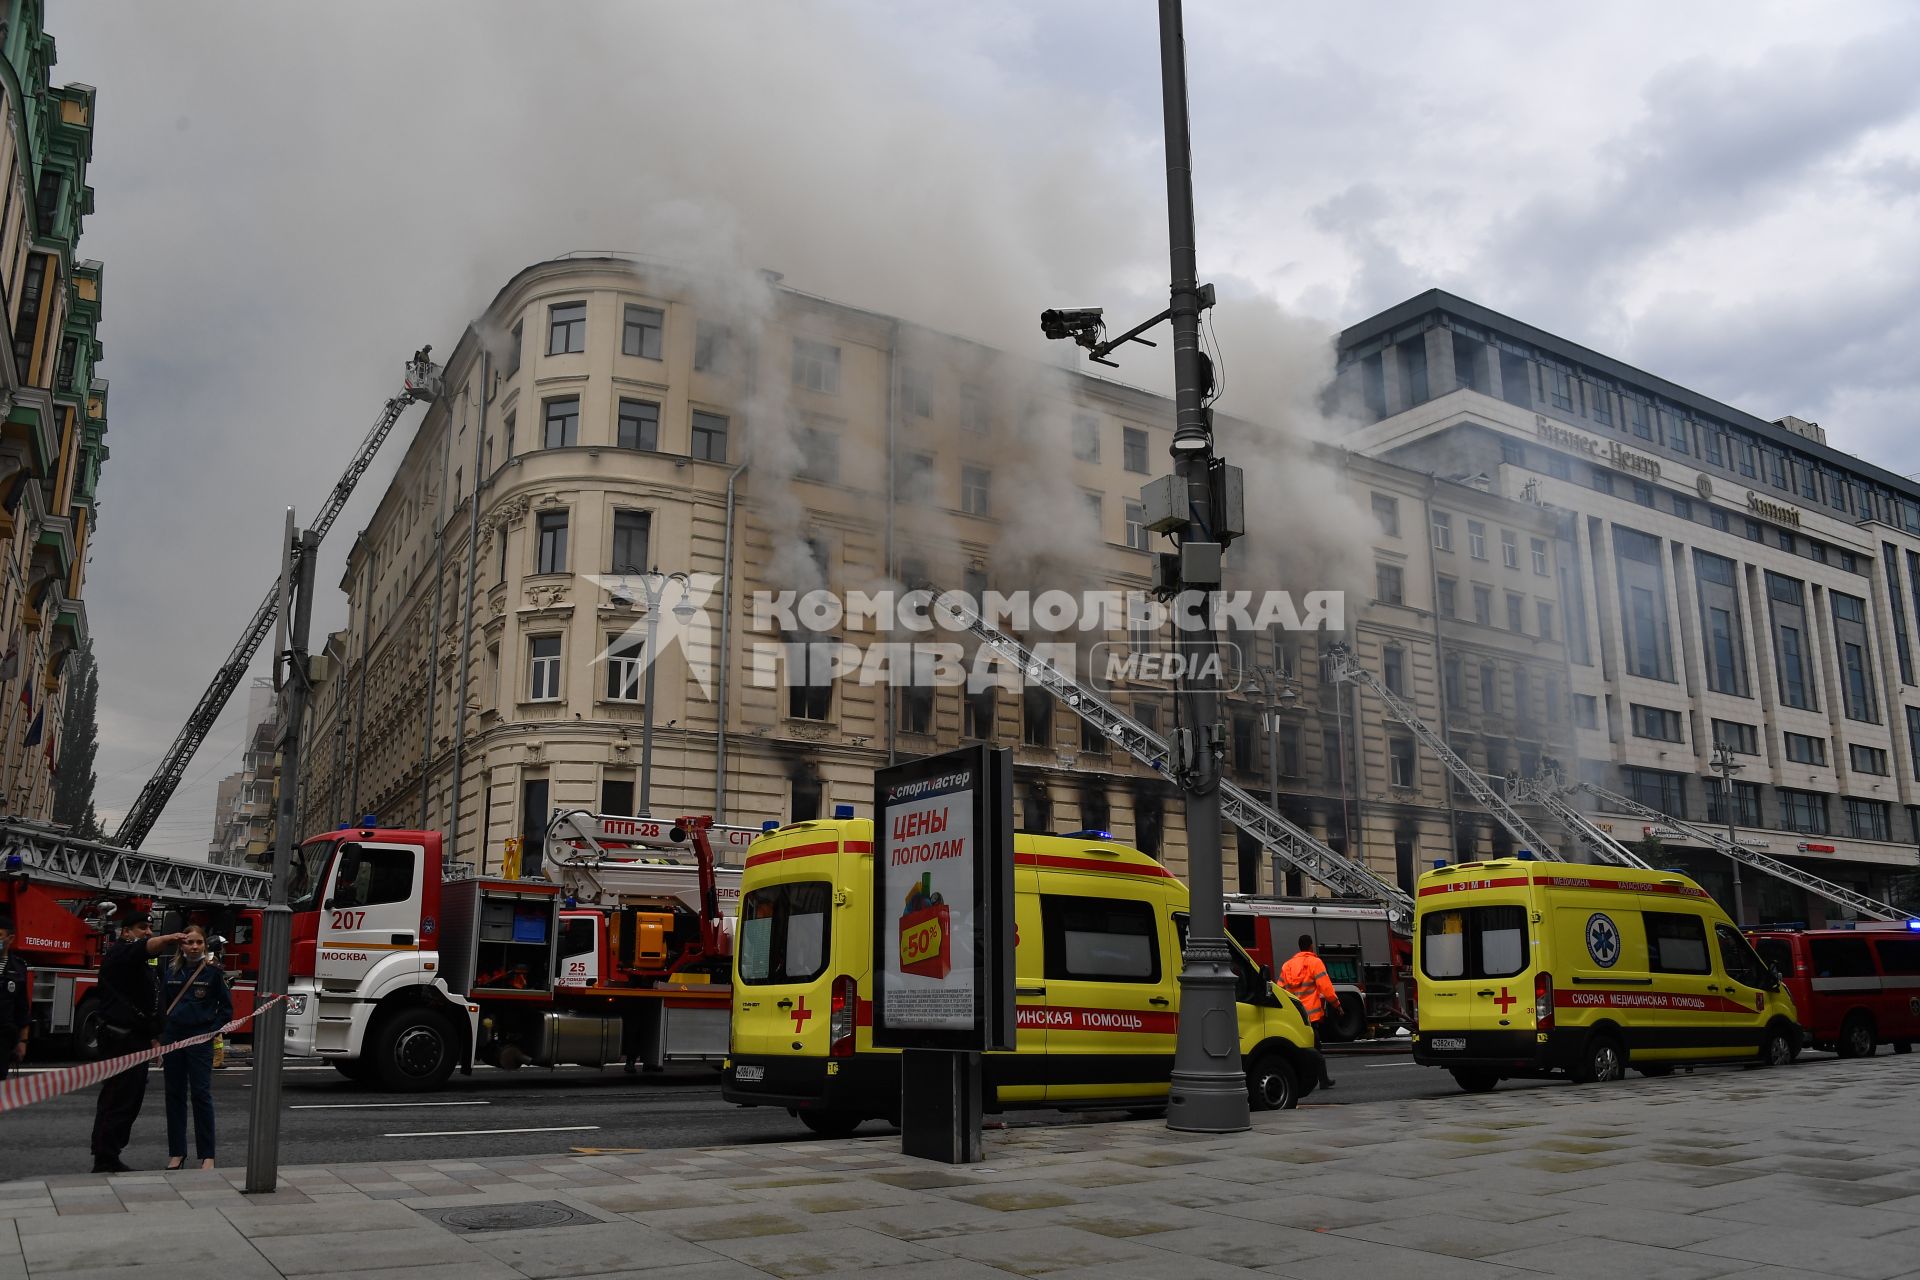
[(1531, 967), (1099, 931)]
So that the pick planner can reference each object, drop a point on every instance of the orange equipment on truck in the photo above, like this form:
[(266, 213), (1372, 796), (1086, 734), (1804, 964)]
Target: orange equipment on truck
[(407, 965)]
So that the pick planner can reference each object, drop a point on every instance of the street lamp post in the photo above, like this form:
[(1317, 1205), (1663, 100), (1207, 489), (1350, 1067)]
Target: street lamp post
[(1724, 766), (653, 584)]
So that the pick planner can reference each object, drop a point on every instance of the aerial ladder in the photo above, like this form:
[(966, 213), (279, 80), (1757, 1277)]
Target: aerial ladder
[(1547, 791), (1288, 843), (602, 858), (1343, 666), (57, 859), (420, 385), (1840, 895)]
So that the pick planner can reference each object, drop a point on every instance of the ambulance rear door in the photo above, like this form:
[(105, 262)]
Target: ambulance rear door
[(1476, 961)]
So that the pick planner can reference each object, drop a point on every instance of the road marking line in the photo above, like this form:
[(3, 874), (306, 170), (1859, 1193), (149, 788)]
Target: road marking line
[(359, 1106), (475, 1133), (1377, 1065)]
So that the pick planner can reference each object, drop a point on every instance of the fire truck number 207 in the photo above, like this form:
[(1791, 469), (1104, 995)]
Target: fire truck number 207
[(348, 920)]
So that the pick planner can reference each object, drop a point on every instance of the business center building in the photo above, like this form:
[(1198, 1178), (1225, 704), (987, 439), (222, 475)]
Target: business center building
[(1722, 579)]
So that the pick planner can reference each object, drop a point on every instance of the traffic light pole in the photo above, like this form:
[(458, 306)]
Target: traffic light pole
[(276, 921), (1209, 1088)]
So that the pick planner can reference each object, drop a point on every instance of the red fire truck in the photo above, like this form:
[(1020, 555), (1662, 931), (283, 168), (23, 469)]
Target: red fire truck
[(64, 894), (407, 966), (1367, 961)]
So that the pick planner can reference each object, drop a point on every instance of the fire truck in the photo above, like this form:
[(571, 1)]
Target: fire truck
[(408, 966), (65, 893), (1356, 940)]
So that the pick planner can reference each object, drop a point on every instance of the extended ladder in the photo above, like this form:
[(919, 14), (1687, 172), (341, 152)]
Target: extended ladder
[(594, 856), (1285, 841), (53, 858), (1545, 791), (1345, 667), (422, 383), (1834, 893)]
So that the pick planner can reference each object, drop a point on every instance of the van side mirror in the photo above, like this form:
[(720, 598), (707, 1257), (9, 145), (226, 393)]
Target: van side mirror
[(1266, 974)]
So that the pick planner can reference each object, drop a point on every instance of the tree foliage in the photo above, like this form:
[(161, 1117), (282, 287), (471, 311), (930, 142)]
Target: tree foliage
[(79, 743)]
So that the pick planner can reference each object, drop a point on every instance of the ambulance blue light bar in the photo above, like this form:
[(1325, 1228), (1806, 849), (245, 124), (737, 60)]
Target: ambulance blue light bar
[(1914, 925), (843, 811)]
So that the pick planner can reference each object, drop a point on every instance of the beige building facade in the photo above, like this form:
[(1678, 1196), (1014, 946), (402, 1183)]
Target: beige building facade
[(610, 417)]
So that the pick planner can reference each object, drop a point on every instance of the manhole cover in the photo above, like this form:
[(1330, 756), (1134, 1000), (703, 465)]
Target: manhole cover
[(469, 1219)]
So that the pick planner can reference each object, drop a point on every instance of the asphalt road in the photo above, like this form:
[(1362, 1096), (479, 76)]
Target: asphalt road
[(527, 1112)]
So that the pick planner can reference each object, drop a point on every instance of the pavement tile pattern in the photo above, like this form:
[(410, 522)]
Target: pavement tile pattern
[(1805, 1172)]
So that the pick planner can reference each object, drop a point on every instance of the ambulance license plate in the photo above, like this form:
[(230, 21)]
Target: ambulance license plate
[(749, 1075), (1443, 1044)]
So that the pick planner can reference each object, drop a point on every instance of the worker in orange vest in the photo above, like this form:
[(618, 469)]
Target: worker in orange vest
[(1305, 979)]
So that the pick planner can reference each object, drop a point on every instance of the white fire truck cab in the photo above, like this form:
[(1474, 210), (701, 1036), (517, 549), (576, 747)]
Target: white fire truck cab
[(407, 966)]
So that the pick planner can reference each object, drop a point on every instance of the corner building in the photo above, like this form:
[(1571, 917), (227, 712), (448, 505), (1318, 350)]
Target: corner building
[(53, 407), (1720, 579), (608, 416)]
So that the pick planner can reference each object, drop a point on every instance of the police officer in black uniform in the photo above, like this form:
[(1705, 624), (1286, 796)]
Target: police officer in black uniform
[(15, 1006), (129, 995)]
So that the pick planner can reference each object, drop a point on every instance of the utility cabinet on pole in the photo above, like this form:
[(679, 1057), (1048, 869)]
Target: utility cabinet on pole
[(301, 555)]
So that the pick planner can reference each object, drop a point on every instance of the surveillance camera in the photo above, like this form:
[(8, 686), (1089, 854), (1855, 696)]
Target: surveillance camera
[(1069, 322)]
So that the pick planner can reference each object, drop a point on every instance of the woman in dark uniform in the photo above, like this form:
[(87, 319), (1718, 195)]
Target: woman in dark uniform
[(193, 991)]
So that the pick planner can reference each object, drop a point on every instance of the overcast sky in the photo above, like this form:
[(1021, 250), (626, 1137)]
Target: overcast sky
[(291, 199)]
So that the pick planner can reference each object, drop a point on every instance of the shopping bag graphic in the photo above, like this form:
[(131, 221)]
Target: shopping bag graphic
[(926, 932)]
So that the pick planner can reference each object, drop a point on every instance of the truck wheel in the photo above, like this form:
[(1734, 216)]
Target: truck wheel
[(1476, 1079), (1857, 1039), (411, 1051), (1603, 1062), (1903, 1046), (1272, 1084), (831, 1124), (354, 1069), (1777, 1047), (86, 1032), (1348, 1024)]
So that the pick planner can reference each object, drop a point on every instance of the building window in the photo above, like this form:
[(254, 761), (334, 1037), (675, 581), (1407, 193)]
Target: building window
[(640, 336), (1602, 481), (566, 328), (709, 441), (543, 661), (1086, 437), (1600, 404), (976, 490), (1393, 668), (816, 366), (819, 455), (916, 709), (1869, 819), (1451, 686), (1683, 507), (1389, 584), (1643, 493), (1559, 467), (1656, 723), (1741, 739), (1856, 666), (810, 688), (1715, 578), (1719, 520), (1659, 790), (1711, 441), (1544, 612), (1513, 453), (1586, 711), (1036, 717), (913, 478), (1785, 598), (1804, 749), (1913, 738), (1640, 416), (632, 530), (1386, 513), (712, 345), (1509, 549), (1803, 811), (1442, 531), (514, 343), (1643, 603), (1489, 688), (625, 667), (1539, 548), (1483, 605), (1868, 760), (978, 711), (1476, 540), (1400, 761), (638, 426), (1516, 620), (1515, 385), (1561, 385), (507, 429), (553, 542), (1523, 697), (1746, 802), (1445, 588), (1136, 526), (562, 417), (1133, 448)]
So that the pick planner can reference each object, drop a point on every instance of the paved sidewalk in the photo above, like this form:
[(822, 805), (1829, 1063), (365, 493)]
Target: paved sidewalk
[(1796, 1172)]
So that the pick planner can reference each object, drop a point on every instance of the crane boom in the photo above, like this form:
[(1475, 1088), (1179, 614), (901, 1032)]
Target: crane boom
[(61, 859), (1546, 791), (422, 384)]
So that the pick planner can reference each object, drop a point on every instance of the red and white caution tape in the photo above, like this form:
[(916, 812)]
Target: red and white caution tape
[(19, 1091)]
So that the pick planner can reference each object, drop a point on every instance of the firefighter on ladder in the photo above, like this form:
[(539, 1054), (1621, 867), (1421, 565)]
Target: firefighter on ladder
[(1305, 979)]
